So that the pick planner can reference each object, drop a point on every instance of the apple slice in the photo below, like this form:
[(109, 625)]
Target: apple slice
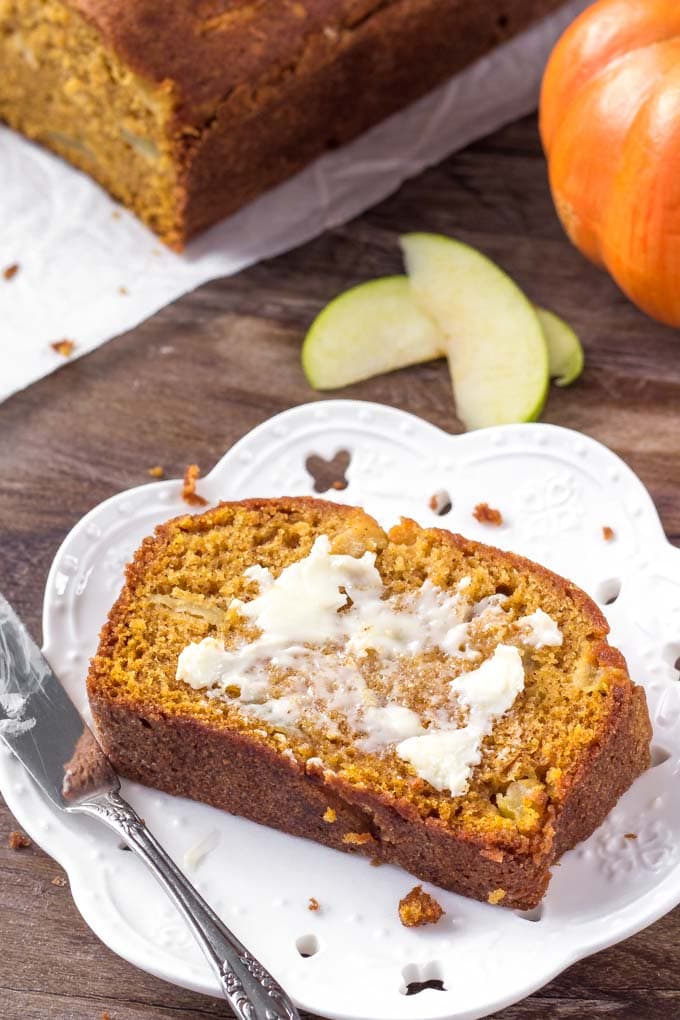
[(497, 352), (565, 354), (373, 328)]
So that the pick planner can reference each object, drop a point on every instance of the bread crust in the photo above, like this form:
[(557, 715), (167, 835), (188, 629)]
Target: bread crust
[(240, 773), (258, 90), (268, 42)]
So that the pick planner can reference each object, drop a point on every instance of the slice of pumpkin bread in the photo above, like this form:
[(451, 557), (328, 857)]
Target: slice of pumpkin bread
[(412, 696)]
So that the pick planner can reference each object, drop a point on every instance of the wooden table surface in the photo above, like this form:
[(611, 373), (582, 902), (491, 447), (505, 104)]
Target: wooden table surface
[(191, 381)]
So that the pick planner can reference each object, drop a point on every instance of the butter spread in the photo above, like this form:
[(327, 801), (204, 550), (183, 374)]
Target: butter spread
[(300, 608), (445, 758), (538, 630), (319, 629)]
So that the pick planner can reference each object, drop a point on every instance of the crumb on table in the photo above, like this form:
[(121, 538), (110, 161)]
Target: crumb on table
[(18, 840), (357, 838), (189, 494), (63, 347), (486, 514), (313, 903), (607, 533), (330, 815), (10, 271), (123, 291), (157, 471), (496, 896), (418, 908)]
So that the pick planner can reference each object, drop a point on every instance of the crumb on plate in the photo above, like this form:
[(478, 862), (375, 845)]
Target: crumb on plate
[(10, 271), (313, 903), (189, 494), (63, 347), (418, 908), (440, 502), (631, 835), (124, 291), (18, 840), (157, 471), (607, 533), (486, 514)]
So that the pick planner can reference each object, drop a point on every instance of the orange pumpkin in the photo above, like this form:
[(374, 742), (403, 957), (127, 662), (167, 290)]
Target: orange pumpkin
[(610, 125)]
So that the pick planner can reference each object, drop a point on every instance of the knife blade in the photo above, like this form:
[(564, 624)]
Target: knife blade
[(40, 725), (39, 722)]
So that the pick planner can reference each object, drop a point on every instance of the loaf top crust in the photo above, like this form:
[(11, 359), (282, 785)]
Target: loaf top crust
[(180, 590), (205, 50)]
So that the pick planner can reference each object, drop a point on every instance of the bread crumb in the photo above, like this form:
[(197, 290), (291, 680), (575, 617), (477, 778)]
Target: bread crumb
[(486, 514), (418, 908), (497, 856), (63, 347), (375, 863), (330, 815), (189, 494), (11, 271), (313, 903), (496, 896), (607, 533), (440, 503), (18, 840), (59, 881), (357, 838), (124, 291), (631, 835), (157, 471), (115, 215)]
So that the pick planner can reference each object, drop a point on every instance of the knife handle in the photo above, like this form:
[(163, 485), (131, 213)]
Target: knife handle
[(248, 987)]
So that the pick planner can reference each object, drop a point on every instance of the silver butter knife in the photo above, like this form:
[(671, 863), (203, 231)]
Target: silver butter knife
[(40, 725)]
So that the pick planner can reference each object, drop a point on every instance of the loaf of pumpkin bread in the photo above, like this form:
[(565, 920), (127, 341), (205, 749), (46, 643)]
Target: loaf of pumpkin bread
[(411, 696), (185, 110)]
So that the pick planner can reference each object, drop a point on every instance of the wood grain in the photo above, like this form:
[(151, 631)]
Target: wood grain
[(187, 384)]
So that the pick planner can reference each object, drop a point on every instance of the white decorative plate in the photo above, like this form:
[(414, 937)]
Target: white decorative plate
[(556, 490)]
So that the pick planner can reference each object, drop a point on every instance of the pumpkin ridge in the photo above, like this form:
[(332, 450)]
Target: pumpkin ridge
[(642, 233), (589, 141), (565, 57)]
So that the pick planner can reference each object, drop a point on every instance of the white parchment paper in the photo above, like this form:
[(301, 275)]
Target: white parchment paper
[(90, 271)]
